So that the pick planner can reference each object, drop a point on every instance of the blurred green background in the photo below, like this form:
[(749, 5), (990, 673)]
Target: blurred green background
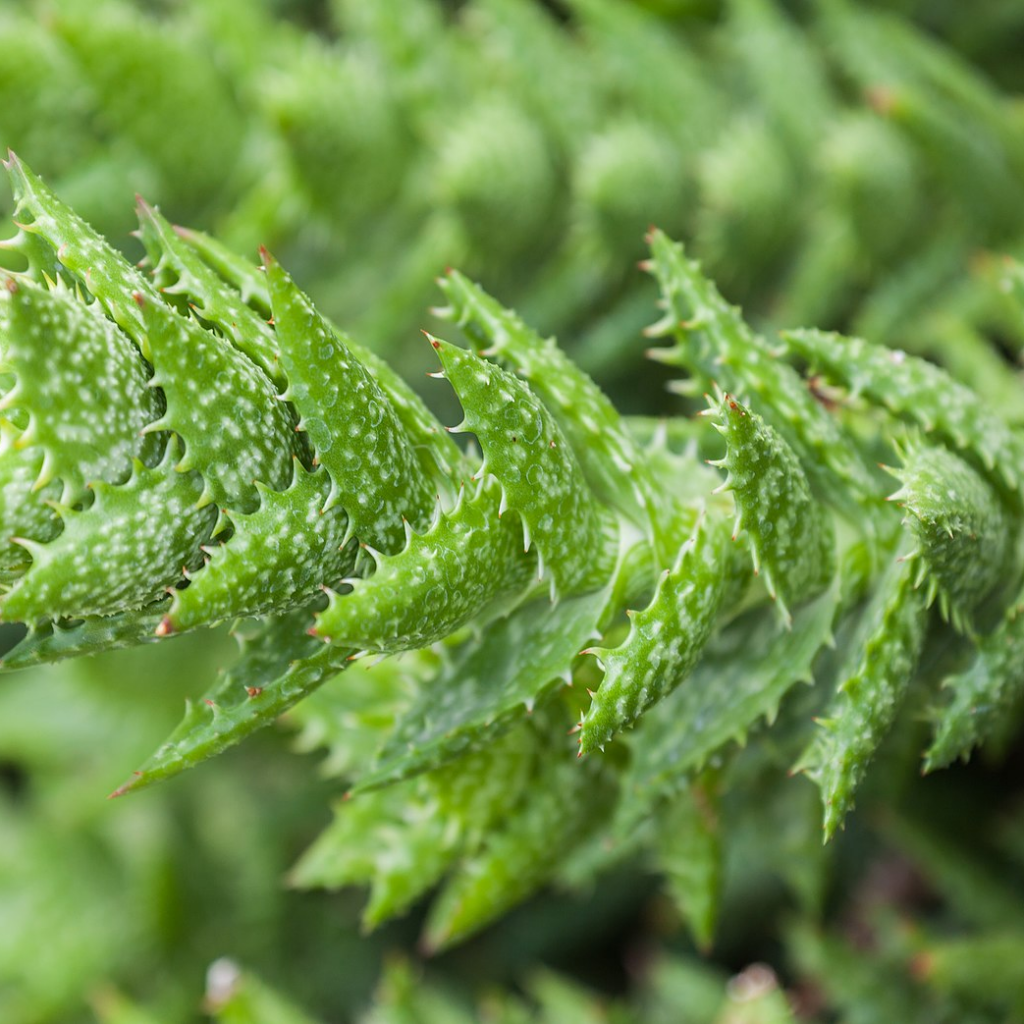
[(851, 166)]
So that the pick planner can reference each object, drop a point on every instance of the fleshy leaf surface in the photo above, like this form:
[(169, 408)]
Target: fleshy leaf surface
[(608, 455), (277, 556), (441, 580), (742, 679), (567, 802), (983, 694), (437, 453), (24, 511), (489, 684), (356, 435), (666, 639), (964, 535), (714, 343), (920, 392), (790, 535), (278, 667), (403, 839), (527, 453), (103, 271), (121, 552), (82, 387), (179, 270), (223, 406), (54, 641), (870, 695)]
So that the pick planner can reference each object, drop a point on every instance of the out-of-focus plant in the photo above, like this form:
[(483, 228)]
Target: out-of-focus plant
[(838, 166)]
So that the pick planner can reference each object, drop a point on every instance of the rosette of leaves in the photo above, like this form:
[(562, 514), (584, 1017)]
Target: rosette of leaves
[(578, 622)]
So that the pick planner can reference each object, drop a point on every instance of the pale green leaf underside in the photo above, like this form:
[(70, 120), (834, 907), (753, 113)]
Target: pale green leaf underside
[(870, 694), (982, 695), (279, 666), (54, 641), (746, 672), (488, 684)]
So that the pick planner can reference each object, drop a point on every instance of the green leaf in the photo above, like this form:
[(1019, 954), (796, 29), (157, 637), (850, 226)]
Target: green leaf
[(180, 271), (437, 453), (81, 387), (609, 457), (352, 720), (440, 581), (24, 511), (243, 275), (864, 990), (918, 392), (789, 533), (279, 666), (403, 839), (871, 693), (665, 640), (53, 641), (223, 406), (964, 536), (276, 557), (355, 434), (755, 997), (978, 968), (983, 694), (488, 684), (98, 267), (564, 803), (689, 854), (395, 839), (715, 344), (527, 453), (111, 1007), (121, 552), (403, 997), (745, 673)]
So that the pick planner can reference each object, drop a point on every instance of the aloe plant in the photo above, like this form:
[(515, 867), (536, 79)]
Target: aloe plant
[(578, 621)]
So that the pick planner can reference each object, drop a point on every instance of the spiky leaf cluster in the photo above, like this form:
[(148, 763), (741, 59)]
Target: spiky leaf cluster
[(579, 623)]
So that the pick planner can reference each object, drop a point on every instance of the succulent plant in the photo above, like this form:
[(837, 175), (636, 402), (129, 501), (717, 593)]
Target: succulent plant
[(578, 621)]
